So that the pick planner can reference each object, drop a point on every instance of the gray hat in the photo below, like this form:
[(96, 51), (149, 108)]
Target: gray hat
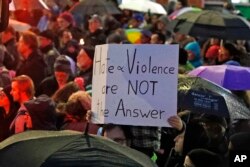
[(62, 64)]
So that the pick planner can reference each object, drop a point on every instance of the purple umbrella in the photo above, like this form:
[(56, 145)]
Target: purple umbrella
[(227, 76)]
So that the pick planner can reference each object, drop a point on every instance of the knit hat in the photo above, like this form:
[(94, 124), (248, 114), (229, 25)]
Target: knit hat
[(62, 64), (204, 158), (194, 47), (212, 51), (68, 17), (47, 34)]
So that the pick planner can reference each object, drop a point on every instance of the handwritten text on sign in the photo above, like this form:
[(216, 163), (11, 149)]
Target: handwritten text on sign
[(135, 84)]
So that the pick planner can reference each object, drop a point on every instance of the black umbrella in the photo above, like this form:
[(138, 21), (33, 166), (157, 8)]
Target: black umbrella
[(100, 7), (207, 23), (67, 149), (200, 95)]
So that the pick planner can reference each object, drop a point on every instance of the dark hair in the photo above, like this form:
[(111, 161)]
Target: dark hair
[(30, 39), (126, 129)]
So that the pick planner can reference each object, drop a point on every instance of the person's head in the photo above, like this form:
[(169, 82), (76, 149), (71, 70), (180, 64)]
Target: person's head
[(193, 49), (22, 88), (118, 133), (181, 4), (158, 38), (5, 97), (62, 95), (95, 23), (214, 126), (46, 38), (239, 142), (78, 104), (65, 20), (136, 20), (27, 43), (212, 53), (114, 38), (202, 158), (85, 58), (62, 70), (193, 137), (145, 36), (66, 36), (228, 51), (8, 34)]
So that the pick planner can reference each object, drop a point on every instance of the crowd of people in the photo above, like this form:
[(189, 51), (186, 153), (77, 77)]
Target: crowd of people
[(46, 77)]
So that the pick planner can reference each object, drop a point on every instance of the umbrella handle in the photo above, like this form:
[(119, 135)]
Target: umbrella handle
[(86, 130)]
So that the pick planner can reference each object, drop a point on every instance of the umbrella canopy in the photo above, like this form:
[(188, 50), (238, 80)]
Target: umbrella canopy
[(176, 13), (208, 23), (228, 76), (143, 6), (200, 95), (90, 7), (67, 149)]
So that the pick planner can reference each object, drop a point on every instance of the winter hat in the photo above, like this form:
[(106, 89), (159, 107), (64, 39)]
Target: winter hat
[(204, 158), (194, 47), (68, 17), (47, 34), (212, 51), (62, 64)]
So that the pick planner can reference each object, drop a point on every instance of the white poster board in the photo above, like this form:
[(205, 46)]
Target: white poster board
[(135, 84)]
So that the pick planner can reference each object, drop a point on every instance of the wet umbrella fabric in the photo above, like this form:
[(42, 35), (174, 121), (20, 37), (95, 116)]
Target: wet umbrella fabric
[(208, 23), (67, 149), (90, 7), (200, 95), (228, 76)]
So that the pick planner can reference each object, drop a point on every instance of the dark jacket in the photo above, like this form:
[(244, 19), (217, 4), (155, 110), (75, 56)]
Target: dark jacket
[(35, 67), (96, 38), (5, 121), (50, 53), (42, 113), (49, 86), (86, 75), (11, 47)]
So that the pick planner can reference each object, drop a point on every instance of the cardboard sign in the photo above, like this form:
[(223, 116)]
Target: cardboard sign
[(135, 84)]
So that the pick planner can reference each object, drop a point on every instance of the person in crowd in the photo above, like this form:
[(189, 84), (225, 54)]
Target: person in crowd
[(118, 133), (215, 128), (62, 75), (44, 20), (145, 37), (75, 113), (184, 65), (8, 38), (114, 38), (229, 54), (5, 74), (50, 53), (158, 38), (137, 21), (22, 90), (193, 136), (95, 35), (180, 4), (8, 111), (33, 63), (202, 158), (194, 53), (239, 141), (85, 64), (69, 46), (212, 54), (66, 22)]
